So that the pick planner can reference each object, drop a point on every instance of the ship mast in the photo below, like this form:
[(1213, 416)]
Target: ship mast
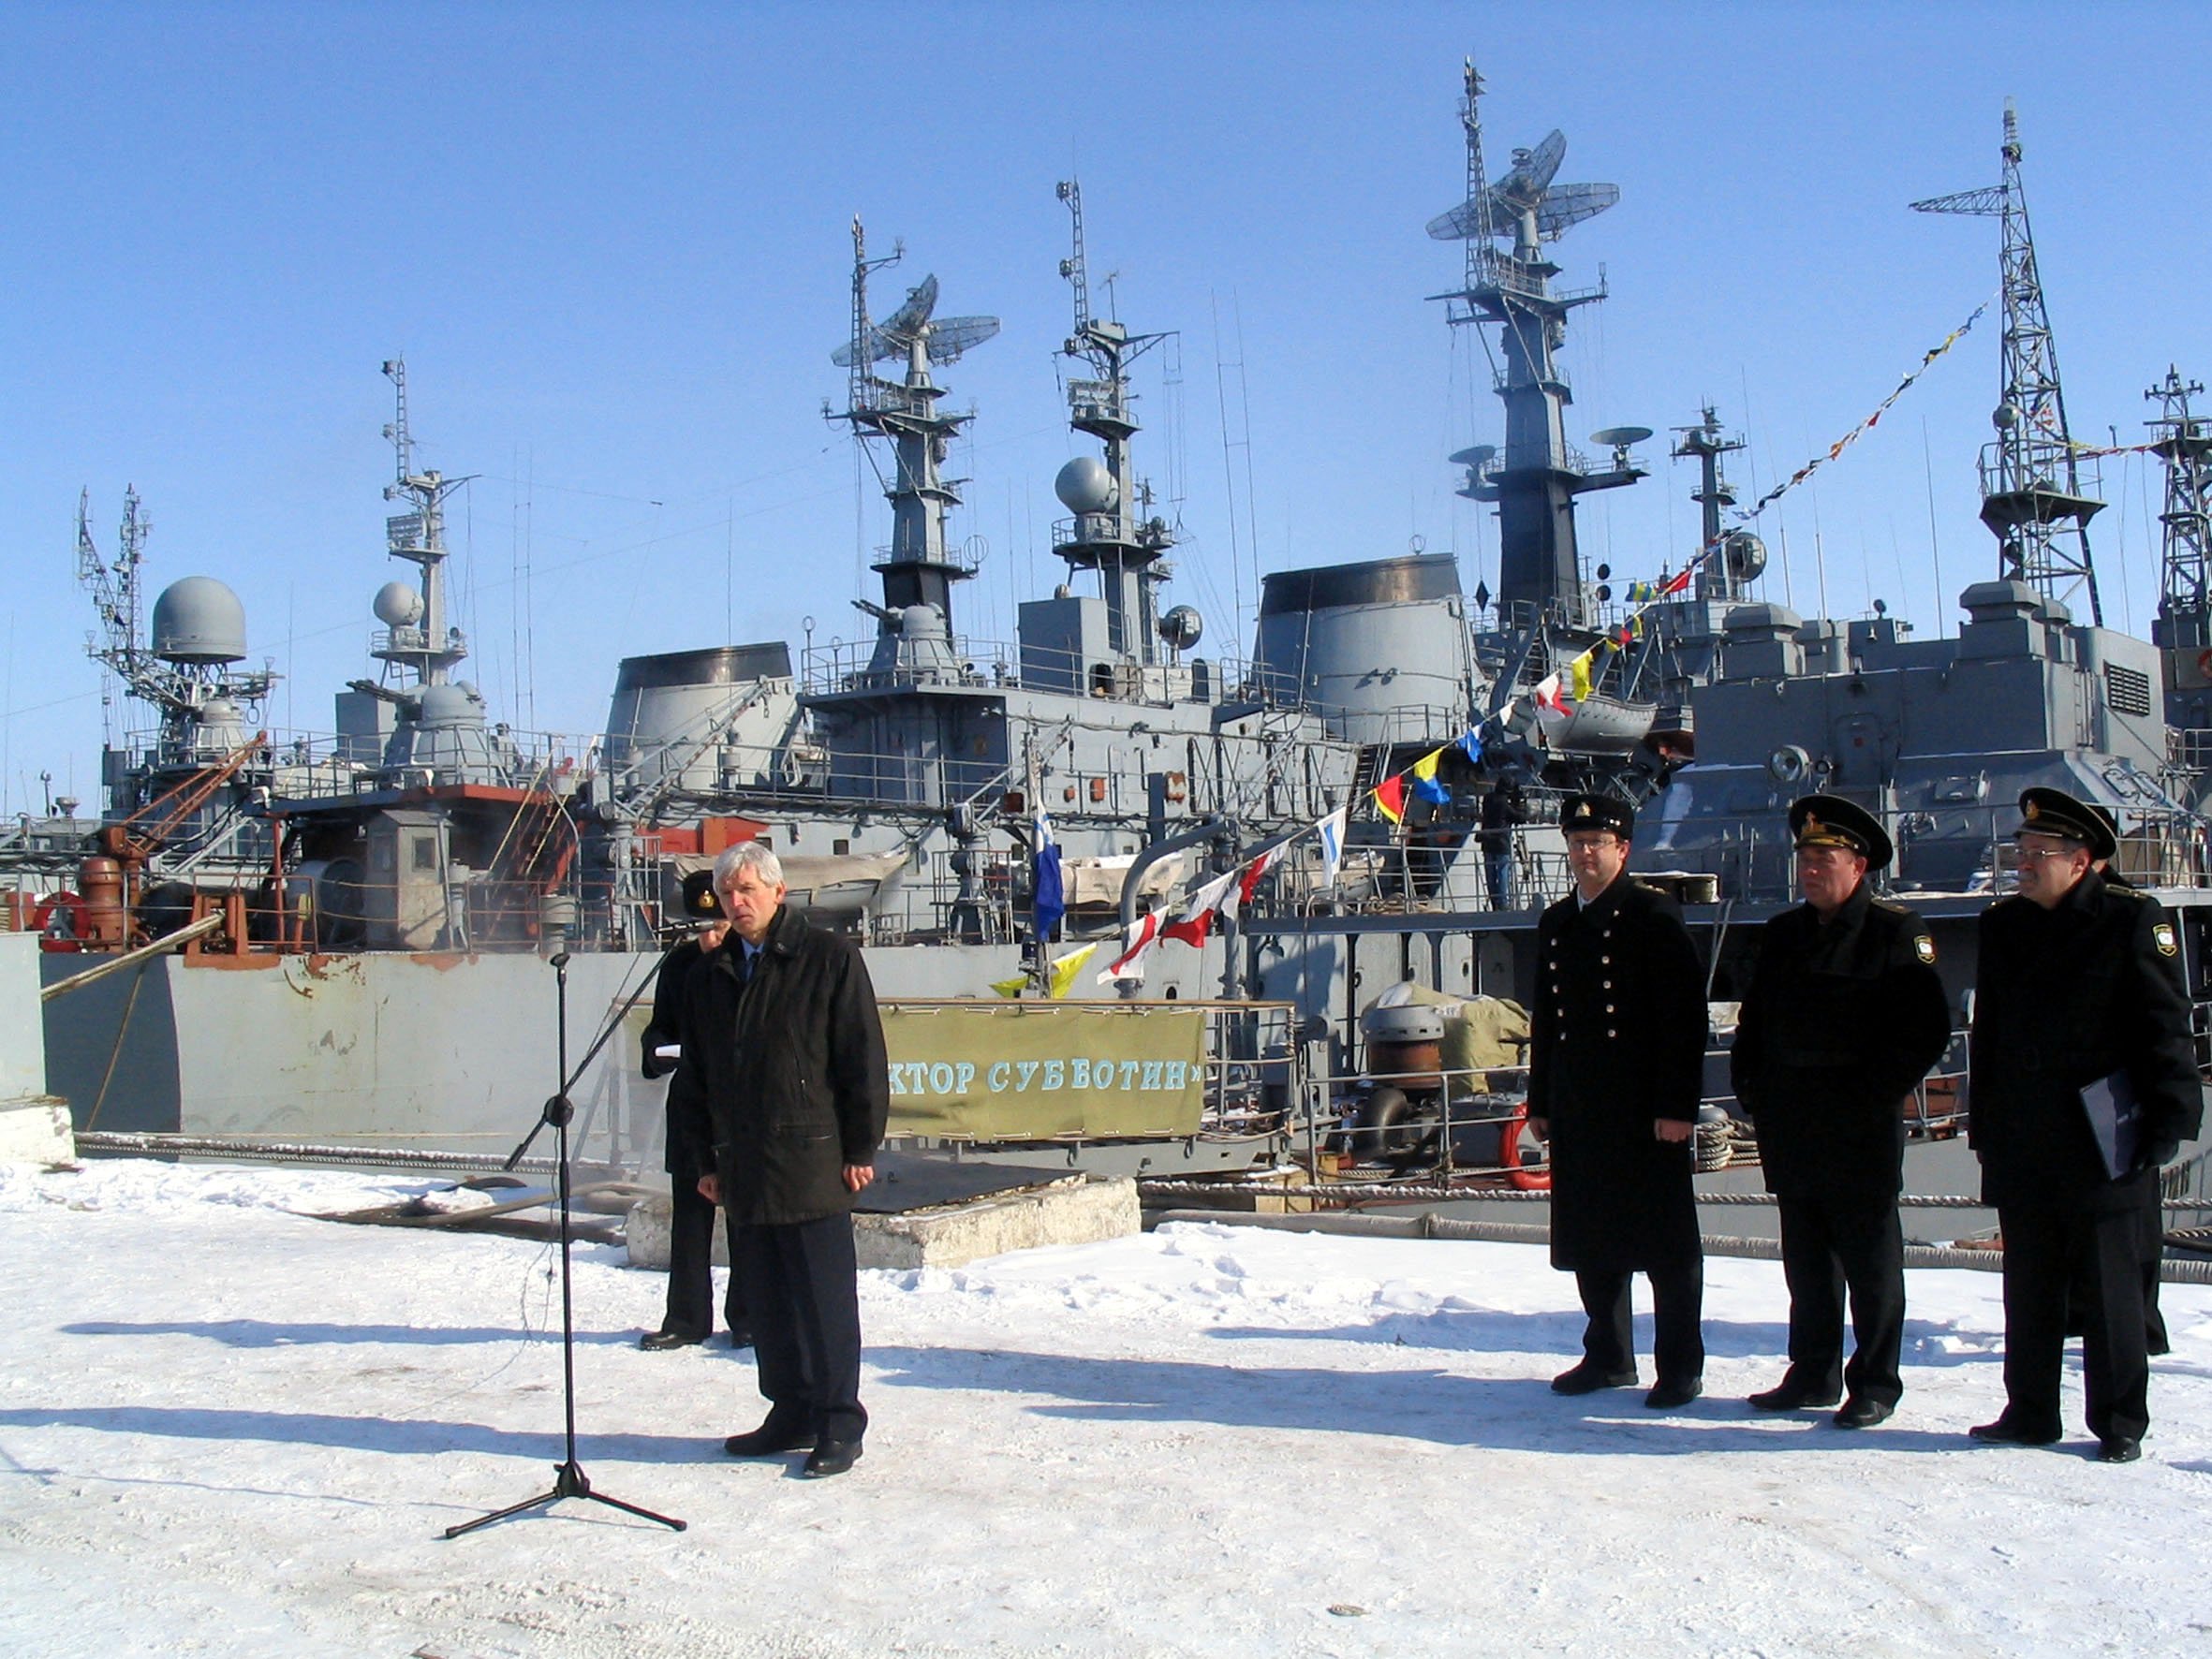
[(2183, 628), (1111, 531), (1535, 480), (2034, 499), (422, 643), (919, 566)]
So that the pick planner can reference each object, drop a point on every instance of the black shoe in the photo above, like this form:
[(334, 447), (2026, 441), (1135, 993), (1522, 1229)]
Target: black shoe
[(1790, 1397), (2119, 1448), (741, 1339), (832, 1457), (1858, 1413), (2005, 1431), (657, 1341), (1586, 1378), (1666, 1396), (768, 1440)]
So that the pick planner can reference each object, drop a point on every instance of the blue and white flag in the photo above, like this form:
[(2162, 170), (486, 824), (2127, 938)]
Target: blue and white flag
[(1331, 830), (1049, 901)]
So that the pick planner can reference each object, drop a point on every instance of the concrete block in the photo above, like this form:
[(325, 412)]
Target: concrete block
[(1079, 1210), (646, 1232), (37, 1131)]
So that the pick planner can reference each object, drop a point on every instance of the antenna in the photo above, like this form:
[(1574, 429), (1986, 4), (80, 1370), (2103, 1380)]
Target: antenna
[(1072, 268), (1525, 204), (2032, 496), (423, 644)]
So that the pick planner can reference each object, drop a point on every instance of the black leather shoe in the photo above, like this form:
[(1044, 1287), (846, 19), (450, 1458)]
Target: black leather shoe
[(1666, 1396), (832, 1457), (657, 1341), (2004, 1432), (1586, 1378), (741, 1339), (768, 1440), (1863, 1413), (2119, 1448), (1790, 1397)]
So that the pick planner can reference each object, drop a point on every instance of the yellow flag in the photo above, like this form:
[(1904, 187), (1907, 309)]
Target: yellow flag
[(1581, 671), (1064, 969), (1011, 988)]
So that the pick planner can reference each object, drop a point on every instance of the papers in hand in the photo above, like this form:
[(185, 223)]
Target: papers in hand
[(2116, 1118), (667, 1051)]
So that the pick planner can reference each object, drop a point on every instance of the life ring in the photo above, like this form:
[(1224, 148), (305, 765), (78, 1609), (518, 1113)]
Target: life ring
[(75, 927), (1523, 1179)]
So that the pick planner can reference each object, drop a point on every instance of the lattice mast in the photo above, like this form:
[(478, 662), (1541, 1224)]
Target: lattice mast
[(2034, 498), (2184, 442)]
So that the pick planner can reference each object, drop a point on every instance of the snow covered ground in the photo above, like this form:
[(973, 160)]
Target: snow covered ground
[(228, 1429)]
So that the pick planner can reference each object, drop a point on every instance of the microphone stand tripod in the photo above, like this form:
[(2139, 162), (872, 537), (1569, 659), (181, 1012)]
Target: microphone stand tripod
[(568, 1477)]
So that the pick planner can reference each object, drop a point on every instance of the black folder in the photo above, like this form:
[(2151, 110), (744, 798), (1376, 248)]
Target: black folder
[(2116, 1118)]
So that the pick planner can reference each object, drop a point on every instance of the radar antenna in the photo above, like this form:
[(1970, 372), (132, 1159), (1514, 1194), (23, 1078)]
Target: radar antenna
[(920, 565), (1111, 531), (2033, 494)]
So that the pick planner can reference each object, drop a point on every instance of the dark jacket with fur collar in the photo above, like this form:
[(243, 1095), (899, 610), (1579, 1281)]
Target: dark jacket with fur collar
[(783, 1080)]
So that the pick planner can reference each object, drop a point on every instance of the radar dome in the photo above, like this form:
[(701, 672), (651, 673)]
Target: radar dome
[(398, 606), (1180, 627), (447, 705), (1084, 486), (1746, 555), (198, 619)]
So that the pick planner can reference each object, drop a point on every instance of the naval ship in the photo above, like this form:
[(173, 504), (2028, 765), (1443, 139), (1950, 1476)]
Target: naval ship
[(373, 914)]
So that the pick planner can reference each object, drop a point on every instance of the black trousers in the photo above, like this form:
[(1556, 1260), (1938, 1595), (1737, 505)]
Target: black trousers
[(1827, 1249), (1677, 1309), (801, 1290), (691, 1267), (2046, 1250)]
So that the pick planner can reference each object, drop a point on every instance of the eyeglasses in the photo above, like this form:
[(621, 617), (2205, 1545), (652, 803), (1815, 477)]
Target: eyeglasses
[(2028, 855)]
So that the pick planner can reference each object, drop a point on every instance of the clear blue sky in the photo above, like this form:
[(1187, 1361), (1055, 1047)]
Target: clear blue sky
[(612, 242)]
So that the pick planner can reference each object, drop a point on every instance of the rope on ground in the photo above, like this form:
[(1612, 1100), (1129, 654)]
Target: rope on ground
[(276, 1152), (1356, 1192)]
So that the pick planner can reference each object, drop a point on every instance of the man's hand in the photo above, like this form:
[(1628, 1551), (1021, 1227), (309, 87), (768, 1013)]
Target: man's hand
[(858, 1176), (1671, 1129), (1540, 1128), (710, 1188)]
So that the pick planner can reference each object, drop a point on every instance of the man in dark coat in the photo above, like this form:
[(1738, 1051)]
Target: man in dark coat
[(1505, 809), (784, 1094), (689, 1318), (2074, 993), (1844, 1015), (1615, 1070)]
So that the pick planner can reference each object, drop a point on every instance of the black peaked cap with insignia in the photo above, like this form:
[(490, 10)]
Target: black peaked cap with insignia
[(699, 898), (2053, 811), (1597, 812), (1829, 820)]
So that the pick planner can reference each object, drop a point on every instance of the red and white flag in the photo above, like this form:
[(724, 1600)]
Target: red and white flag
[(1548, 695), (1218, 897), (1137, 938)]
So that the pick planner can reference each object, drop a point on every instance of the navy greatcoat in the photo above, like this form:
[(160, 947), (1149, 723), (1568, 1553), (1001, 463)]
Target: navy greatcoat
[(1619, 1040), (1840, 1022)]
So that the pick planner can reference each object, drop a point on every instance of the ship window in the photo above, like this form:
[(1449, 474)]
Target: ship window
[(841, 847), (2128, 690), (426, 852)]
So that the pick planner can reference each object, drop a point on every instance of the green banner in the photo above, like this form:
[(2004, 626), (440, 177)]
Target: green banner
[(1032, 1071)]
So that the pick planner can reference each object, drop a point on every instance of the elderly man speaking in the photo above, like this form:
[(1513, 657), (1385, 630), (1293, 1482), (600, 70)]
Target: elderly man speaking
[(783, 1093)]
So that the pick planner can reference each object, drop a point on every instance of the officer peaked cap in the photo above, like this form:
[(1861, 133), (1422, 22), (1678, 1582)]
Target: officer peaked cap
[(699, 898), (1597, 812), (1829, 820), (2053, 811)]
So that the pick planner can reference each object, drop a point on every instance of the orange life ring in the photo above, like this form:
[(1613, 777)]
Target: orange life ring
[(1523, 1179), (72, 909)]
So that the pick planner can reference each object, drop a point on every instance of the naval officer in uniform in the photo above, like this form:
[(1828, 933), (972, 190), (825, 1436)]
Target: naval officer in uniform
[(2074, 990), (1615, 1071), (1844, 1015)]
